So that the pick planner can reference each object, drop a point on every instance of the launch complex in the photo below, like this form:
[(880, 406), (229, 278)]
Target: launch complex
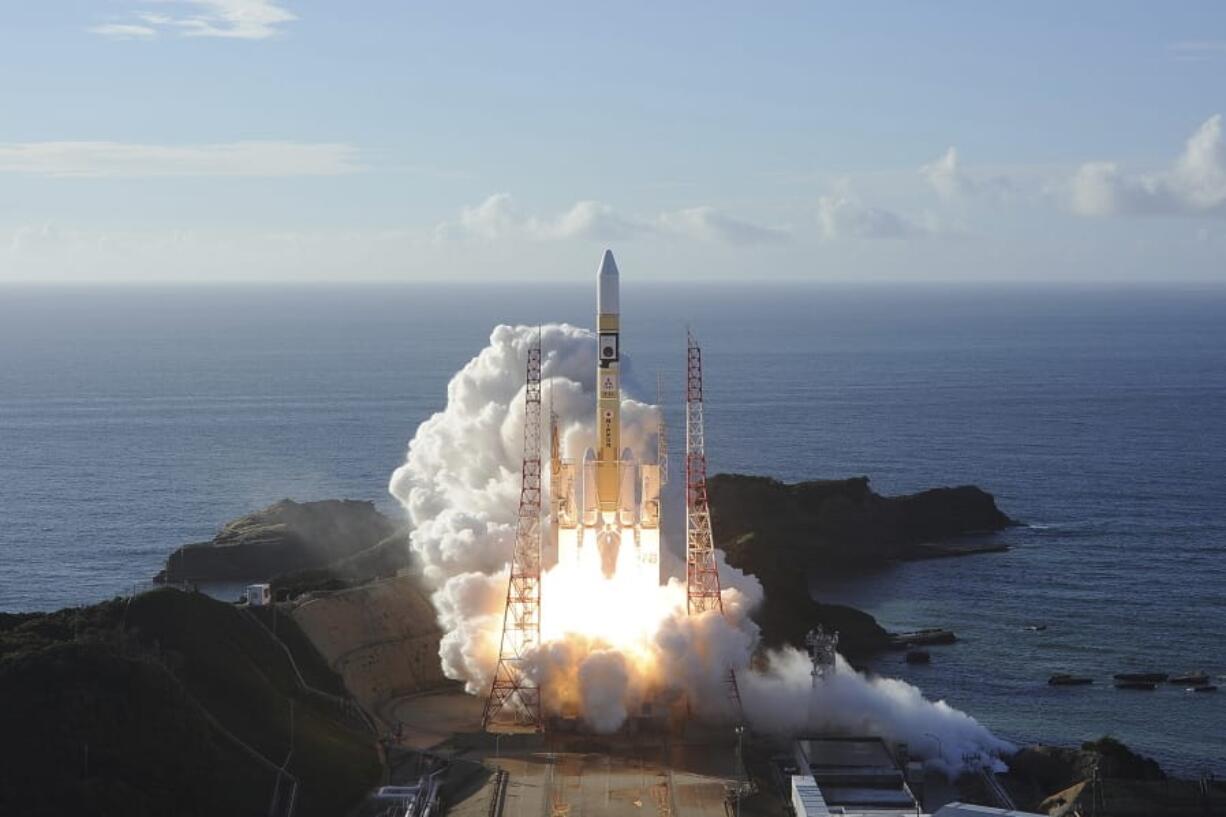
[(604, 514), (587, 544)]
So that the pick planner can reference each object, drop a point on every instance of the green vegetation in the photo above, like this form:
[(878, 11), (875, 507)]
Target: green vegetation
[(134, 709), (380, 561)]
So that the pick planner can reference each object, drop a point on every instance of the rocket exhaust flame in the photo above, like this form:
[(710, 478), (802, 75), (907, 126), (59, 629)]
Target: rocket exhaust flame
[(610, 639)]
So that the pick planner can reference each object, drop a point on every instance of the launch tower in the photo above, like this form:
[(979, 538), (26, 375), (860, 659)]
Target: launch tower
[(515, 699), (702, 590)]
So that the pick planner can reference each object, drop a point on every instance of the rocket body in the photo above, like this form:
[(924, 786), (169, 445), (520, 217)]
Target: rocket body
[(606, 512), (608, 386)]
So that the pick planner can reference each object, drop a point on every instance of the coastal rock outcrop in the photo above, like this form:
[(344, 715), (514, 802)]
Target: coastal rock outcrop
[(780, 532), (1053, 768), (284, 537), (844, 522), (1106, 777)]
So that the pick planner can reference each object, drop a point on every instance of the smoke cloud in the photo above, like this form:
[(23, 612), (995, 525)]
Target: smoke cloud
[(606, 655)]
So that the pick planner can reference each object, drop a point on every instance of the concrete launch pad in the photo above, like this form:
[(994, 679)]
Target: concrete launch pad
[(565, 784), (573, 775), (570, 785)]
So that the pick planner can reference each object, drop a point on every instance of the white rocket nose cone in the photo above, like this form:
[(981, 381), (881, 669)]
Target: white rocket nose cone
[(607, 265), (606, 285)]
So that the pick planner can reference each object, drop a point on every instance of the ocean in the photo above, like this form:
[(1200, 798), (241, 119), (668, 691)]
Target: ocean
[(134, 419)]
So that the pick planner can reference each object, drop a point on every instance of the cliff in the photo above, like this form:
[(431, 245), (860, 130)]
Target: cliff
[(780, 533), (844, 522), (284, 537), (1105, 777), (1052, 768)]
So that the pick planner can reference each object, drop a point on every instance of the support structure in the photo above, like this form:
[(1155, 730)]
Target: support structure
[(701, 574), (515, 699), (702, 590), (822, 649)]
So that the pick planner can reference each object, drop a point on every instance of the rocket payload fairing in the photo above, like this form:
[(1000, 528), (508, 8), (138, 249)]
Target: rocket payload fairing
[(606, 513)]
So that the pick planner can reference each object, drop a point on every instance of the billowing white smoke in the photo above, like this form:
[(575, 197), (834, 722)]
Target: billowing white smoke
[(847, 701), (460, 484)]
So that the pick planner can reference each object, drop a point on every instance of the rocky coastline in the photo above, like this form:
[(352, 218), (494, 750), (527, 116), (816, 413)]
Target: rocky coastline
[(781, 532), (155, 688), (285, 537)]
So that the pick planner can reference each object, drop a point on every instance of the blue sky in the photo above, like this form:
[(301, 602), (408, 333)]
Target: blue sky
[(289, 140)]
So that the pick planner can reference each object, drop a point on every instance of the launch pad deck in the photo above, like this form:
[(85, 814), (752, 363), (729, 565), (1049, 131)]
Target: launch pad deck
[(574, 774), (571, 785)]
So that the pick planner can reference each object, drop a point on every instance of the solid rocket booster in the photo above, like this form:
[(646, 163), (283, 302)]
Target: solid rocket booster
[(608, 401)]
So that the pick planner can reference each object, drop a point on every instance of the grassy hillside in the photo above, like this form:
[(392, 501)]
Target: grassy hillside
[(133, 709)]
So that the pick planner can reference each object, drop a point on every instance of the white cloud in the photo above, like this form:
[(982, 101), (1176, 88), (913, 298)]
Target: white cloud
[(1195, 184), (120, 159), (237, 19), (596, 221), (840, 216), (709, 224), (498, 217), (124, 31), (946, 175), (34, 238)]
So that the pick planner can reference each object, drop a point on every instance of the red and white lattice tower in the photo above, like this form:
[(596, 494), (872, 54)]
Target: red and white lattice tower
[(515, 699), (701, 573), (702, 591)]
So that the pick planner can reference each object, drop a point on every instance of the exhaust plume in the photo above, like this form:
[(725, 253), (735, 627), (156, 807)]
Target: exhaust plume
[(605, 653)]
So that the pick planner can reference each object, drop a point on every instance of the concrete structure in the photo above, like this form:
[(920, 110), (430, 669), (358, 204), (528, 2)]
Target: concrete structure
[(644, 778), (607, 509), (850, 776), (967, 810), (259, 595), (807, 800), (860, 777)]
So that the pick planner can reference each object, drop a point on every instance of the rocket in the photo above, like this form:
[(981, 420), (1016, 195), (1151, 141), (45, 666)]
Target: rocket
[(608, 395), (606, 512)]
